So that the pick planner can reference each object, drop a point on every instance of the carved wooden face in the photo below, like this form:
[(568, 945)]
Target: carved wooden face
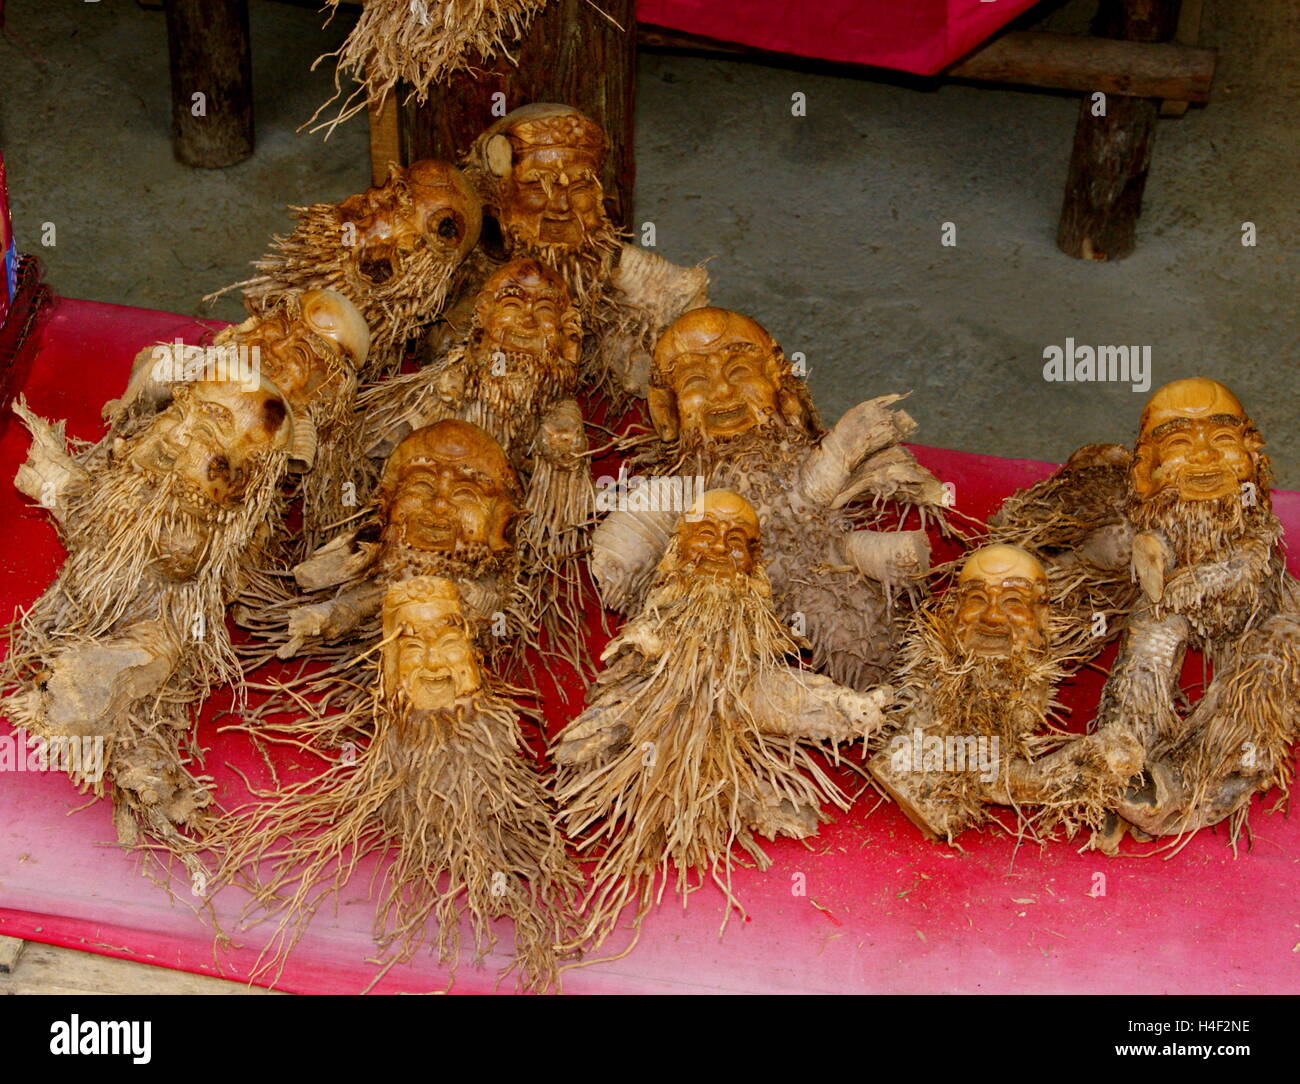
[(1001, 608), (715, 376), (427, 205), (1196, 438), (449, 486), (563, 436), (719, 537), (525, 309), (209, 436), (299, 349), (428, 653), (552, 196)]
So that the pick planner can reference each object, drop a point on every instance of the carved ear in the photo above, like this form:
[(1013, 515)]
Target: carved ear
[(663, 413), (1140, 472), (499, 530), (498, 155), (791, 410), (788, 403)]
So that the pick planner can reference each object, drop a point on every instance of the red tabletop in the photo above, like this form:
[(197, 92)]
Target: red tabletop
[(882, 910), (920, 36)]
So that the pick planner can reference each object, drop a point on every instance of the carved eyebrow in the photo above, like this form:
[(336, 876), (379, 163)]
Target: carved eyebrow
[(217, 411), (1174, 425)]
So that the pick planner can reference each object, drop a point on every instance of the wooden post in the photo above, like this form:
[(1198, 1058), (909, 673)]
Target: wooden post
[(575, 52), (208, 49), (385, 138), (1112, 153)]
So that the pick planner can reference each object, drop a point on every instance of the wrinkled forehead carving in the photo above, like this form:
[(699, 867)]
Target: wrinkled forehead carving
[(527, 278), (1001, 564), (1194, 399), (451, 442), (724, 507), (701, 330)]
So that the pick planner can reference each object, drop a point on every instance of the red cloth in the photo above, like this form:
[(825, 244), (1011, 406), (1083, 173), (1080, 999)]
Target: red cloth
[(869, 907), (920, 36)]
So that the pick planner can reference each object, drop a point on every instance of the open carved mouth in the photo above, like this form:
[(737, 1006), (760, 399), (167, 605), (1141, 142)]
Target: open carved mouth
[(1206, 483), (435, 688), (437, 533), (378, 270), (714, 565), (558, 229), (725, 419), (984, 641)]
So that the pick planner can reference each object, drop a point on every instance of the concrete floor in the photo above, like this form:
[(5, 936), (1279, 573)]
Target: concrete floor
[(825, 227)]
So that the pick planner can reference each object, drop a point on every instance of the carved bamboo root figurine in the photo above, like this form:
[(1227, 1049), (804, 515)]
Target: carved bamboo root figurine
[(1206, 553), (697, 735), (976, 695), (310, 345), (1180, 533), (394, 251), (729, 412), (537, 171), (160, 528), (444, 788), (515, 376), (447, 506)]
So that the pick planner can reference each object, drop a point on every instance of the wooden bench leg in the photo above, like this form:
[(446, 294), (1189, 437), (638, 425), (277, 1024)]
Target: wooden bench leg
[(1112, 152), (212, 81)]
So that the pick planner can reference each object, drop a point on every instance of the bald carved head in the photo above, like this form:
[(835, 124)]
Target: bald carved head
[(449, 485), (719, 374), (1001, 602), (428, 205), (1195, 437), (719, 536), (525, 308)]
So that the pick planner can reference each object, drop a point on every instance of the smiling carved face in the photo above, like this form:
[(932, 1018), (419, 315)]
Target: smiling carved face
[(209, 436), (548, 160), (1196, 438), (720, 536), (305, 345), (427, 652), (1001, 609), (449, 486), (720, 370), (522, 313), (427, 205)]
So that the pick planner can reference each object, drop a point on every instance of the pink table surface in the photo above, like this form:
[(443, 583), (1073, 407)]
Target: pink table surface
[(919, 36), (884, 911)]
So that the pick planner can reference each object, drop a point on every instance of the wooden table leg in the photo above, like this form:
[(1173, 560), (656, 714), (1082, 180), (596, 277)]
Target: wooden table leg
[(575, 52), (212, 81), (1112, 152)]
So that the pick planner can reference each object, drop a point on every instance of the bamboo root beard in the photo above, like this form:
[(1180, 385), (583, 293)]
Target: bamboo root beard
[(668, 763), (450, 799)]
